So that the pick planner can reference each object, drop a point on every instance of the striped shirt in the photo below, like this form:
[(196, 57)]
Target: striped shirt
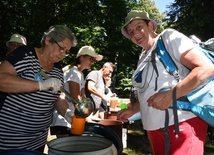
[(25, 117)]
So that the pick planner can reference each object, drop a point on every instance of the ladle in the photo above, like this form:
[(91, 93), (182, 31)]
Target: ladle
[(83, 108)]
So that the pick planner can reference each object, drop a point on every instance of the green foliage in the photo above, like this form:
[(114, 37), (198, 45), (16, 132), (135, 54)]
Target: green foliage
[(98, 23), (192, 17), (95, 23)]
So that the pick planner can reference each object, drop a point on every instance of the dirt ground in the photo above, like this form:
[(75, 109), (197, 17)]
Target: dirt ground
[(50, 137)]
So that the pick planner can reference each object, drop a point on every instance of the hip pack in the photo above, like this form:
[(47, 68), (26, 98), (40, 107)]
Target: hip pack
[(200, 102)]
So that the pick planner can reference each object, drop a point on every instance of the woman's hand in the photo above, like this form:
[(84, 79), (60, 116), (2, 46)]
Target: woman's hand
[(53, 83)]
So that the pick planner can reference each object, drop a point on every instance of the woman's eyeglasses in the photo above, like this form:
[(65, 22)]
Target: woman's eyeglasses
[(61, 48), (92, 59)]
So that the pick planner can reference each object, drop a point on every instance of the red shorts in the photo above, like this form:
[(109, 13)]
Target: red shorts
[(191, 138)]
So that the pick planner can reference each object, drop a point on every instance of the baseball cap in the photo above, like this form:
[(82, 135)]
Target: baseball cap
[(17, 38), (88, 50), (133, 15)]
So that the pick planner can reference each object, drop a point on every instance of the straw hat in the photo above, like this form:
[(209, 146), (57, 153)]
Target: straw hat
[(133, 15)]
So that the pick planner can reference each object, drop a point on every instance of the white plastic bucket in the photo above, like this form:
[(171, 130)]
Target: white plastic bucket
[(81, 145)]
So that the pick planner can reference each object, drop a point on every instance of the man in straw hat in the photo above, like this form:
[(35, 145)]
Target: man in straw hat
[(194, 68)]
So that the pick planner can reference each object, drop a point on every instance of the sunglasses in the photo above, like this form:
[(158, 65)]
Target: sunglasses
[(92, 59)]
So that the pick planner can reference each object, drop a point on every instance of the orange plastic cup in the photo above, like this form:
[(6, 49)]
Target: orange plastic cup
[(113, 102), (77, 125)]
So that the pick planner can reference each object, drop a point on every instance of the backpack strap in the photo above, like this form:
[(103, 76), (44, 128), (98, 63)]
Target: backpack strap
[(153, 61), (166, 123), (172, 69), (165, 133), (167, 60), (175, 112)]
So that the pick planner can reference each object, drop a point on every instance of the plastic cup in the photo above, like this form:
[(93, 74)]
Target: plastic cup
[(78, 125), (113, 102), (123, 106)]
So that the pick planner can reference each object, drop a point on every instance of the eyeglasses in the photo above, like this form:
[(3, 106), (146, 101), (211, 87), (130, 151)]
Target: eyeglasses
[(61, 48)]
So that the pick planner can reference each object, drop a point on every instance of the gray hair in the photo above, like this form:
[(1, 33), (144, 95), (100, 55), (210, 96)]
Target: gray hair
[(59, 33), (109, 64)]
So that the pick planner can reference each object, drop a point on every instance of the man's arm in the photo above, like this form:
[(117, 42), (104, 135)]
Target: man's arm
[(92, 89)]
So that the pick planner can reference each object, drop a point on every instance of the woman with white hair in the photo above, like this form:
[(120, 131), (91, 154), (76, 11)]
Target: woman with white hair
[(27, 99)]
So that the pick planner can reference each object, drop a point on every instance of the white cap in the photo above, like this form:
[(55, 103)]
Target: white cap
[(17, 38), (88, 50)]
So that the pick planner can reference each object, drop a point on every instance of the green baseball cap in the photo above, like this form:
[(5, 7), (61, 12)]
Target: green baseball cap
[(133, 15)]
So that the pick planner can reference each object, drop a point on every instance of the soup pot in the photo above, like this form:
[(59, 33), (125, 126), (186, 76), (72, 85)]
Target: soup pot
[(81, 145)]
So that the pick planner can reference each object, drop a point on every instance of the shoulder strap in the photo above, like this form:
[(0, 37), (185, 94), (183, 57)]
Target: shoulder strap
[(208, 53), (167, 60), (172, 69), (153, 61)]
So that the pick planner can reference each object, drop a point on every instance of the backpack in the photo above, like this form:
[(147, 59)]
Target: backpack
[(208, 45), (200, 101)]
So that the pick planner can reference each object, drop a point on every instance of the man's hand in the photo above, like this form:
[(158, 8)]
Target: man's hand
[(124, 114), (106, 98), (161, 100), (53, 83)]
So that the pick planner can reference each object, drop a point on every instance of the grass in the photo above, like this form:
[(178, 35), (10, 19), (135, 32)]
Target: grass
[(136, 144)]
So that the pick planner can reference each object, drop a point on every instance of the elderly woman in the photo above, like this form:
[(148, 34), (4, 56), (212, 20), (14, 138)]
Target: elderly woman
[(194, 69), (27, 99)]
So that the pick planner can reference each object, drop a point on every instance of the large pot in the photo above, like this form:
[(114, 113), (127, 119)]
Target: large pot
[(107, 133), (114, 125), (81, 145)]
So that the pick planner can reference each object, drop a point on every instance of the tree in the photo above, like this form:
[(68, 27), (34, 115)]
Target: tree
[(95, 23), (192, 17)]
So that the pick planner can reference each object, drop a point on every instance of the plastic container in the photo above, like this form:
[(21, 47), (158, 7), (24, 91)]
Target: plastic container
[(113, 102), (81, 145)]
